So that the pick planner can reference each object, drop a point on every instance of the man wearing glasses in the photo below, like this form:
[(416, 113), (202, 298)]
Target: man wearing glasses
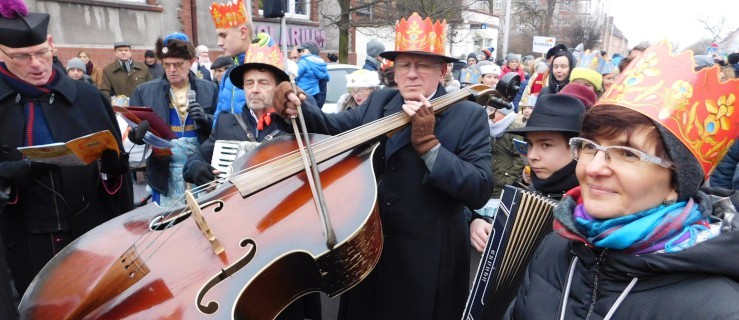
[(429, 171), (189, 117), (49, 206)]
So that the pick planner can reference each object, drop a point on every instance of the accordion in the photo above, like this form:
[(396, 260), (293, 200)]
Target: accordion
[(520, 223), (225, 152)]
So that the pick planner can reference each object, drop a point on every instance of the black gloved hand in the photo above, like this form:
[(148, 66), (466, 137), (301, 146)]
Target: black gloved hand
[(137, 134), (21, 172), (202, 173), (113, 163), (197, 113)]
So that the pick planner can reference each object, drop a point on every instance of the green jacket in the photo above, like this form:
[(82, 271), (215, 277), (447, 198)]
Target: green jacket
[(117, 82), (507, 162)]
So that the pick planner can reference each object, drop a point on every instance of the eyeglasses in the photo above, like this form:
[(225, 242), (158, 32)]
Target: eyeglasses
[(616, 156), (26, 57), (262, 84), (358, 90), (420, 67), (166, 65)]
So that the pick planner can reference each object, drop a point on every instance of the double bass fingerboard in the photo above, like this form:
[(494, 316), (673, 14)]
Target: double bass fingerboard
[(520, 223)]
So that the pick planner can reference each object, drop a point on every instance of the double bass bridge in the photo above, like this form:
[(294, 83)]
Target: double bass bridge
[(197, 216)]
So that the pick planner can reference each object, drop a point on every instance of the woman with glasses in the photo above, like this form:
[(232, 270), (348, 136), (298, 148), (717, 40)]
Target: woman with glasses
[(638, 238), (359, 85)]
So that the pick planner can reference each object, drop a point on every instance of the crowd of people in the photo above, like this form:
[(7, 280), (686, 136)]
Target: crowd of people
[(627, 146)]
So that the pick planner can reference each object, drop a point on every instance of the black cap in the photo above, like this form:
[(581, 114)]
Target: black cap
[(24, 31), (121, 44), (149, 54), (222, 62), (553, 50), (554, 112)]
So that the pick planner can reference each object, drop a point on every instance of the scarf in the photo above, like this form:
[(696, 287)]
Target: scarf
[(667, 228), (559, 182), (497, 129), (88, 67), (37, 129), (264, 121)]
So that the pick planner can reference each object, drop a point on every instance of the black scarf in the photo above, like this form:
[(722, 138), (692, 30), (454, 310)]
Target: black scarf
[(558, 183)]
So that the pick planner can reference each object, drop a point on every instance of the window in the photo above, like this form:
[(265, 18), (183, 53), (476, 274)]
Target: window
[(295, 8), (498, 4)]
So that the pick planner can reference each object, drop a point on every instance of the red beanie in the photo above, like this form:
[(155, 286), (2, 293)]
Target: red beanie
[(582, 93)]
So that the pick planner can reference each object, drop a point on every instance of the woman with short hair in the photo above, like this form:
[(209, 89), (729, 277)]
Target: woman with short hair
[(638, 239)]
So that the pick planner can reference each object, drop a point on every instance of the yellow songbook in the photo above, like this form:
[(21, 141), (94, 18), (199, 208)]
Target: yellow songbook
[(77, 152)]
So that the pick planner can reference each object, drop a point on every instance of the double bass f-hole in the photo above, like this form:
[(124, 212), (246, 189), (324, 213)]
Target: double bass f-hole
[(212, 306), (164, 222)]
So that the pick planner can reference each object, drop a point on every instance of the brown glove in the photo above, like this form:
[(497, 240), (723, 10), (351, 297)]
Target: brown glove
[(422, 130), (279, 99)]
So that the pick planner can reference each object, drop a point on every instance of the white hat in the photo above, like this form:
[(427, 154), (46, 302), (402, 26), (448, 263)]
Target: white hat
[(490, 68), (362, 78)]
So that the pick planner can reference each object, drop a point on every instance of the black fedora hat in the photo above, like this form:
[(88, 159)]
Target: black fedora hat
[(554, 112)]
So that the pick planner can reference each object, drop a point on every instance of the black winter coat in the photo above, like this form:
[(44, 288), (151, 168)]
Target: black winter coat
[(79, 201), (700, 282), (423, 271)]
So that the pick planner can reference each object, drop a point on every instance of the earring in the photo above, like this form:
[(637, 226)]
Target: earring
[(669, 202)]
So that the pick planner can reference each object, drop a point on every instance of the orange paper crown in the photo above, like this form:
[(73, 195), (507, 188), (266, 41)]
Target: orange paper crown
[(417, 34), (270, 55), (694, 106), (229, 14)]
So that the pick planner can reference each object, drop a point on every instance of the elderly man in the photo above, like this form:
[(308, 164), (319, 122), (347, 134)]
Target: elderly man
[(430, 172), (190, 118), (50, 206), (123, 75), (234, 36), (258, 77)]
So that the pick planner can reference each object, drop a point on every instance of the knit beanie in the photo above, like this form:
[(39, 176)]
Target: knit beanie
[(149, 54), (733, 58), (311, 45), (586, 95), (490, 69), (76, 63), (590, 75), (374, 48), (488, 52), (473, 56)]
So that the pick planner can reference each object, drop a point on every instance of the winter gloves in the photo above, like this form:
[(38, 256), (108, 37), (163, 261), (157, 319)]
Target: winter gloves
[(201, 173), (197, 113), (280, 101), (422, 130)]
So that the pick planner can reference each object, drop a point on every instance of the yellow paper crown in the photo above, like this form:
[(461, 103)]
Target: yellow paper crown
[(418, 34), (696, 107), (265, 54), (229, 14)]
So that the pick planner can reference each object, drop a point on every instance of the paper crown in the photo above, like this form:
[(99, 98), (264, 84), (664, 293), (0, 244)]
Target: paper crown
[(418, 35), (263, 54), (229, 14), (696, 107)]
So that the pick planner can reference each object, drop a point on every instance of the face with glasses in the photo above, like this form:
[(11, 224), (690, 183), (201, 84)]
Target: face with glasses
[(259, 86), (177, 70), (360, 94), (418, 75), (30, 64), (622, 176)]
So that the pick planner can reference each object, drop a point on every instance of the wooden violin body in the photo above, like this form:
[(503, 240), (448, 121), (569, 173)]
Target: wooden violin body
[(274, 251)]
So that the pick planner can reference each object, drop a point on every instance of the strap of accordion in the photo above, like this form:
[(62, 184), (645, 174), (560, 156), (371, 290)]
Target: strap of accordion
[(246, 129)]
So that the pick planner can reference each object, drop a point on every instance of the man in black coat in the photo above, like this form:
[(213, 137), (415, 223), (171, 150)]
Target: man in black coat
[(50, 206), (430, 171)]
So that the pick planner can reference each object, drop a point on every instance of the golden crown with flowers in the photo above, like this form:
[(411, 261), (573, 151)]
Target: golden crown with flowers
[(229, 14), (261, 55), (418, 35), (264, 54), (696, 107)]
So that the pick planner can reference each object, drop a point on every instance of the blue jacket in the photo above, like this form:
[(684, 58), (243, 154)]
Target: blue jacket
[(726, 174), (311, 69), (230, 98)]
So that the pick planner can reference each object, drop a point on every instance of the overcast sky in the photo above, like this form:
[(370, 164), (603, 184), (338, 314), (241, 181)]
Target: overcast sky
[(676, 20)]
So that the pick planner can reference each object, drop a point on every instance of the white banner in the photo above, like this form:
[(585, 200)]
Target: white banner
[(543, 44)]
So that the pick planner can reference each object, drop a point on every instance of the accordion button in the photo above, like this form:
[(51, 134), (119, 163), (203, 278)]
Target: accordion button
[(390, 201)]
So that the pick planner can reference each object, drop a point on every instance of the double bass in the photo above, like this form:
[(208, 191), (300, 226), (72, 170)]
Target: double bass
[(245, 250)]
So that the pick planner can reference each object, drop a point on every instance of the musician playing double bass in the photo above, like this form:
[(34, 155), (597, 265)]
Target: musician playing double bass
[(258, 76), (428, 172)]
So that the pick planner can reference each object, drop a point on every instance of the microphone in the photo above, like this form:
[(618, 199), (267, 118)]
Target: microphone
[(191, 96)]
